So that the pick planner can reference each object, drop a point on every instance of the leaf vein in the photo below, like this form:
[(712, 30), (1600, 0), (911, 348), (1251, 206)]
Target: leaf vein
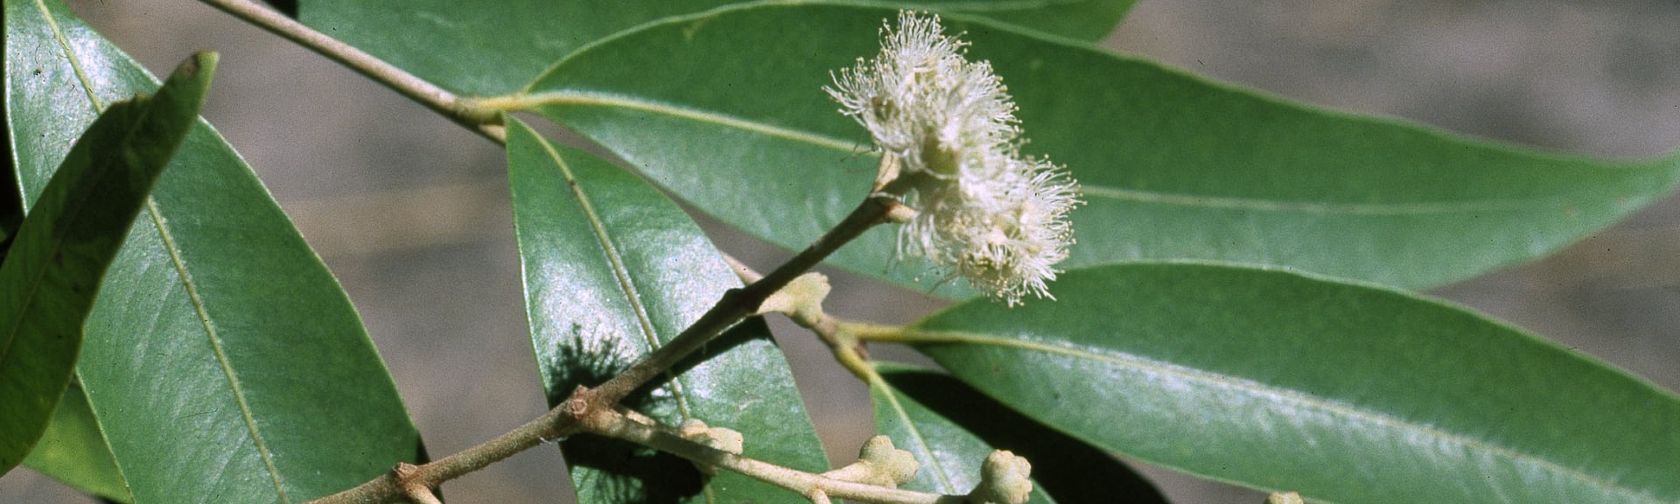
[(915, 432), (70, 54), (604, 100), (615, 261), (1159, 368), (181, 270), (215, 339)]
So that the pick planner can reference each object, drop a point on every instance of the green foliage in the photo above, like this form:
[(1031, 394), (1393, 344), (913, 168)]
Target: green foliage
[(1173, 166), (1342, 392), (53, 268), (73, 450), (496, 46), (196, 349), (950, 427), (221, 362), (613, 270)]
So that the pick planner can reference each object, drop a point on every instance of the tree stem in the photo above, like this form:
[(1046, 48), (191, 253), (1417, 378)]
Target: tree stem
[(485, 121)]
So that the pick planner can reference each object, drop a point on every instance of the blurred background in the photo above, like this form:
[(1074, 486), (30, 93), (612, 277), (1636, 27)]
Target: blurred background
[(411, 211)]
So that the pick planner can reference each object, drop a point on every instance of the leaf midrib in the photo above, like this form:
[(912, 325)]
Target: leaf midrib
[(629, 103), (891, 394), (615, 262), (621, 275), (1000, 6), (187, 282), (1279, 395), (75, 209), (215, 339)]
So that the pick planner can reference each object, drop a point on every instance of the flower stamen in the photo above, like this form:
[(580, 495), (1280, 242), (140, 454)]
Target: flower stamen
[(984, 211)]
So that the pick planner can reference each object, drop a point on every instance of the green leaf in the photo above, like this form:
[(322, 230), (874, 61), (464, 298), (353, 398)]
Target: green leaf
[(495, 47), (219, 346), (1173, 166), (73, 450), (612, 271), (53, 269), (1343, 392), (950, 427)]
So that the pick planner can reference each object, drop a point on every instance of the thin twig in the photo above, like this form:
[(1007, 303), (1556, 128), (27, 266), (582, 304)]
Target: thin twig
[(736, 304), (415, 491), (818, 497), (485, 121), (610, 422), (414, 482), (393, 485)]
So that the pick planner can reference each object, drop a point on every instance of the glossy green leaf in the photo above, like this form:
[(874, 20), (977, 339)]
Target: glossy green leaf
[(221, 357), (950, 428), (1173, 166), (1343, 392), (73, 450), (612, 271), (53, 268), (495, 47)]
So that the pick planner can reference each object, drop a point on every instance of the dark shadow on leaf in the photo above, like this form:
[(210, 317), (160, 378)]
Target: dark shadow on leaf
[(630, 474), (11, 201), (633, 474), (287, 7), (1068, 469), (590, 359), (750, 329)]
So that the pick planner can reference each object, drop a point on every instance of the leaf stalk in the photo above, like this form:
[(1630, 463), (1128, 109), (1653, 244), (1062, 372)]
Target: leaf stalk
[(484, 121)]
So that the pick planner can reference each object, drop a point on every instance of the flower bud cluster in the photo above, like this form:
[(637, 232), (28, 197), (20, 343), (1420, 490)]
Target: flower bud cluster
[(985, 212), (1004, 479)]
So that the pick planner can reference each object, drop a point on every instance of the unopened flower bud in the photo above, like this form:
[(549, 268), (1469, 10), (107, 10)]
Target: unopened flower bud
[(1003, 479), (879, 464)]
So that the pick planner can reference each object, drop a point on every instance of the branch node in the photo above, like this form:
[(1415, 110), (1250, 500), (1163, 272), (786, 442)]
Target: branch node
[(412, 481), (801, 299), (819, 497), (900, 213), (405, 473), (586, 408), (880, 464)]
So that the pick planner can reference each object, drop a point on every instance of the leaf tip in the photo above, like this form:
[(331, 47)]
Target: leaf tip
[(195, 73)]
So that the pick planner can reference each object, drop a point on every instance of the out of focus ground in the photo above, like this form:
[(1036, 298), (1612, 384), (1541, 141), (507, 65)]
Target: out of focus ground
[(411, 211)]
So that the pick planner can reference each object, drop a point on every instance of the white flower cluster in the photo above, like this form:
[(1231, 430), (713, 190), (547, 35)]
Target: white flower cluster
[(984, 211)]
